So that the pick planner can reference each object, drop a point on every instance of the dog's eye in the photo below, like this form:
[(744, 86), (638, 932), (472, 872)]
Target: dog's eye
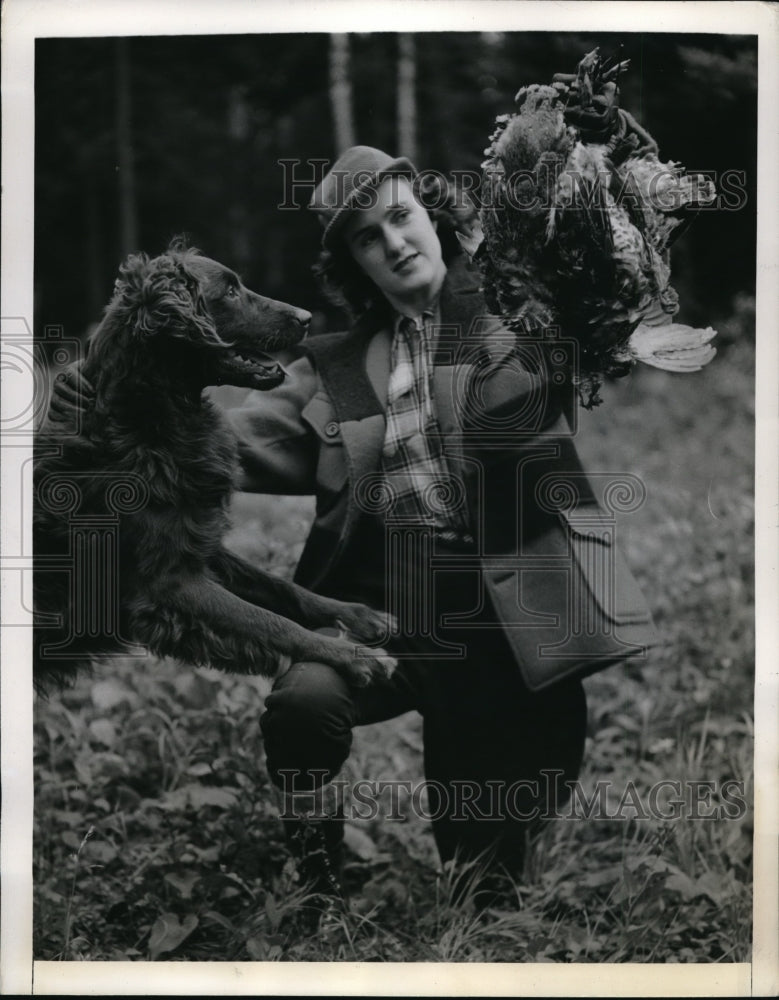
[(232, 291)]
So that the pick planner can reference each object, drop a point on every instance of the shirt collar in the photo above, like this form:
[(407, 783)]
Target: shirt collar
[(431, 315)]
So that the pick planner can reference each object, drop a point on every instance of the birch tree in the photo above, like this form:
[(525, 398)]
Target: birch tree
[(128, 228), (341, 93), (406, 97)]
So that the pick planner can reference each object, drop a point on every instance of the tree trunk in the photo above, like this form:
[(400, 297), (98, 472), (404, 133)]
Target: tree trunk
[(407, 101), (238, 116), (341, 93), (128, 227), (93, 270)]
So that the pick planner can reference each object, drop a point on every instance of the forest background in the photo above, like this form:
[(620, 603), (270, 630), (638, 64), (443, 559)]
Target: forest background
[(156, 832)]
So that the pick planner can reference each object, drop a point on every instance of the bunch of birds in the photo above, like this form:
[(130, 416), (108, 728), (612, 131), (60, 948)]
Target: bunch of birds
[(577, 217)]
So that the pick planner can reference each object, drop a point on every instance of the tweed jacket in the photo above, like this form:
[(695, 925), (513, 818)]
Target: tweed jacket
[(545, 546)]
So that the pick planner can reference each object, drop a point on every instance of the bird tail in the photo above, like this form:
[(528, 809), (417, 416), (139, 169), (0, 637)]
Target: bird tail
[(673, 347)]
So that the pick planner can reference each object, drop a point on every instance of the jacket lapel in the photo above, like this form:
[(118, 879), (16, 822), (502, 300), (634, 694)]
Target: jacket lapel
[(354, 369), (457, 347), (363, 438)]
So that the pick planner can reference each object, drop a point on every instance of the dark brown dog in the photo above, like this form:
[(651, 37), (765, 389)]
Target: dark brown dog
[(130, 511)]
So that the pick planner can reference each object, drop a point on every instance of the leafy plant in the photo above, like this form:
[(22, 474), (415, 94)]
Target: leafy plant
[(156, 833)]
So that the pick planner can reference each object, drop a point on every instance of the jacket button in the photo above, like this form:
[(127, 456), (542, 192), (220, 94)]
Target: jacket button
[(331, 429)]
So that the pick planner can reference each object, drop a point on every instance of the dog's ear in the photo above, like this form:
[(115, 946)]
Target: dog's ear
[(179, 244), (161, 298)]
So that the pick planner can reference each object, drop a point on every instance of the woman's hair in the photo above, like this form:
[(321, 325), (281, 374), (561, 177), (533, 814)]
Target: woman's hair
[(344, 282)]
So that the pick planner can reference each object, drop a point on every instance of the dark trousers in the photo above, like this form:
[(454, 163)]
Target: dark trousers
[(496, 755)]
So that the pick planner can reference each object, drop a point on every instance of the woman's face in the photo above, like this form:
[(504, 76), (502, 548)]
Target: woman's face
[(395, 243)]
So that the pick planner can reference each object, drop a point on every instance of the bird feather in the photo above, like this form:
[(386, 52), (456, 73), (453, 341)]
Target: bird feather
[(576, 224)]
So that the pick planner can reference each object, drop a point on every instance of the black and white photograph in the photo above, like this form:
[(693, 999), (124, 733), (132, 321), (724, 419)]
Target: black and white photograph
[(389, 470)]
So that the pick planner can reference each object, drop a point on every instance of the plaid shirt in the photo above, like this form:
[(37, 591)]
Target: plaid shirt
[(413, 461)]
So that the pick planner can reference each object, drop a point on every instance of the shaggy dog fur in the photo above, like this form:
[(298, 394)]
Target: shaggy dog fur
[(130, 511)]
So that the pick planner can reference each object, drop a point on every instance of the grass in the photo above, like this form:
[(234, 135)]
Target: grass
[(156, 831)]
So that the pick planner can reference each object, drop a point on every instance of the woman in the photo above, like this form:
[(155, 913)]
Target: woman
[(434, 442)]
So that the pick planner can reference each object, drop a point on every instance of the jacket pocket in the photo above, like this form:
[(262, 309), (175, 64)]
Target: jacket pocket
[(319, 414), (332, 471), (572, 606), (603, 568)]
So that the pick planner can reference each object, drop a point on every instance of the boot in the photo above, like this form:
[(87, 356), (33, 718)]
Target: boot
[(317, 846)]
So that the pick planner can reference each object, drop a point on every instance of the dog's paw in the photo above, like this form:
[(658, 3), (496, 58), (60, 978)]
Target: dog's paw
[(367, 668), (365, 624)]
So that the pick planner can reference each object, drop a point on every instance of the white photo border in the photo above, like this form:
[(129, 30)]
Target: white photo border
[(22, 23)]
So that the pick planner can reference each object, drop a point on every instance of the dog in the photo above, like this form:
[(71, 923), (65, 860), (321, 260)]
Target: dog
[(129, 512)]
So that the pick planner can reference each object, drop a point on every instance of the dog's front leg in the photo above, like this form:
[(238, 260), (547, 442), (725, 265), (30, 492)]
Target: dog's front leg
[(198, 621), (295, 602)]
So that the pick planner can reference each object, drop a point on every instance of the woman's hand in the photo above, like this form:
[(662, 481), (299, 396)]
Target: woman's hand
[(72, 396)]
